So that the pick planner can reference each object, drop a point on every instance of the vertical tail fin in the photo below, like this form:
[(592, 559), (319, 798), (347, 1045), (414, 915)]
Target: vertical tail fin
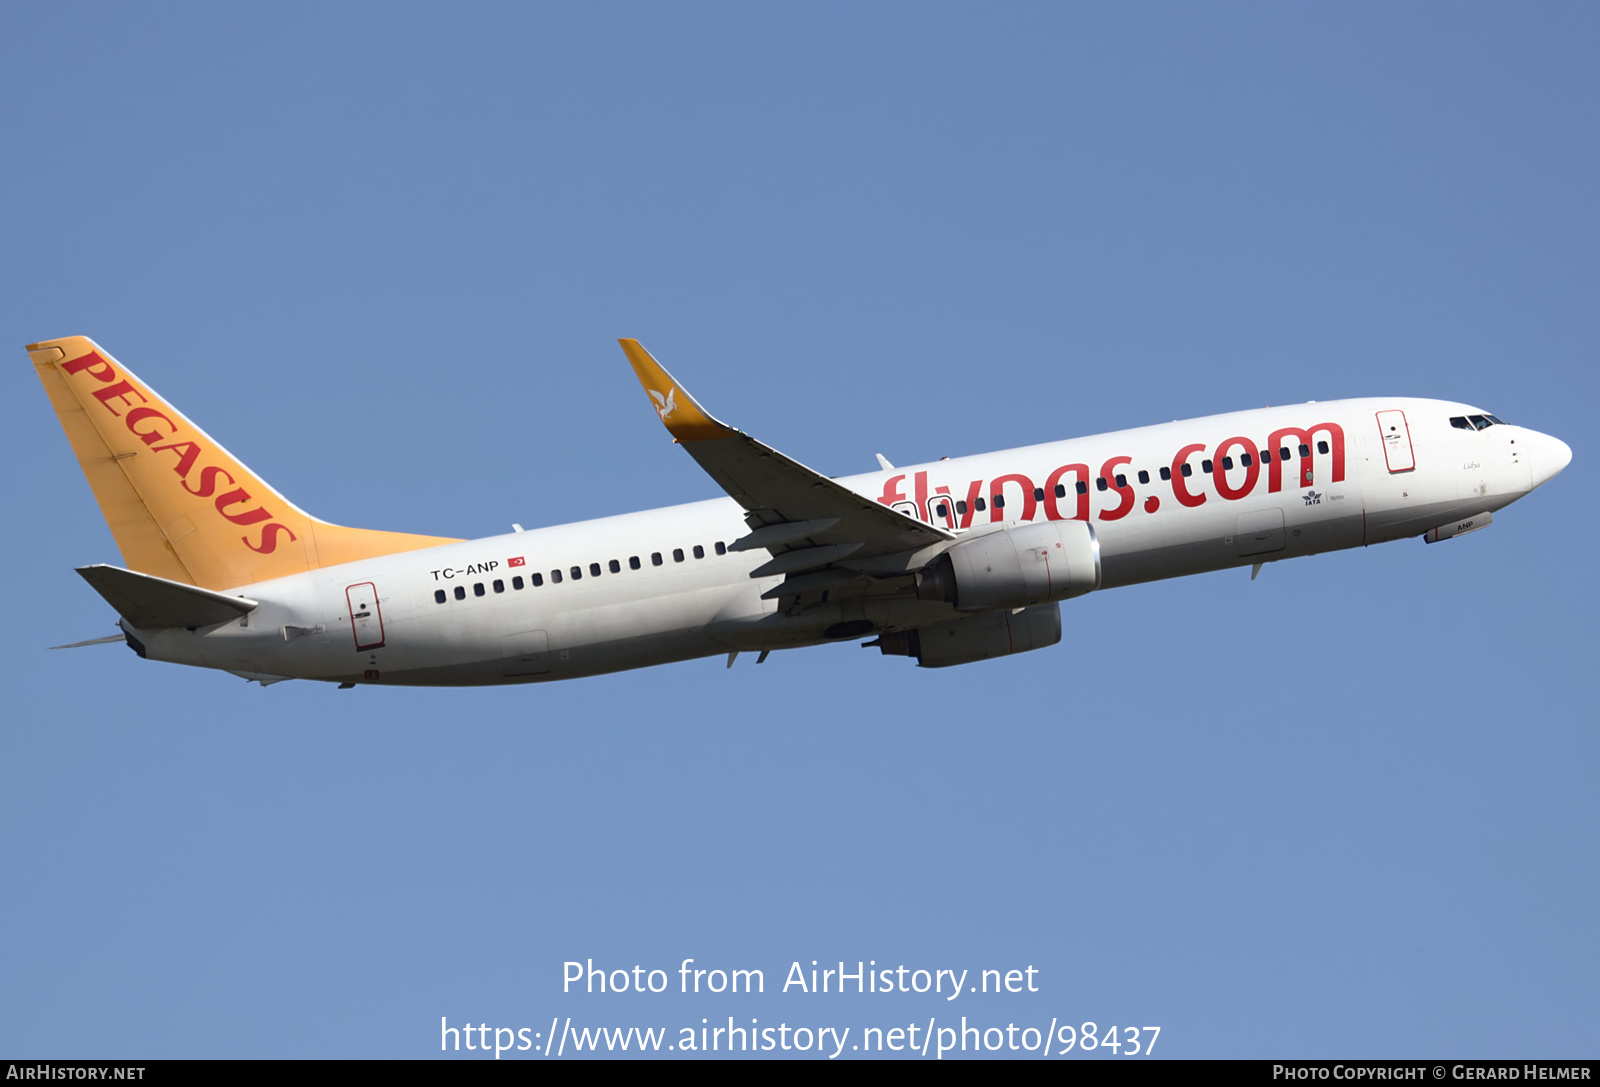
[(179, 505)]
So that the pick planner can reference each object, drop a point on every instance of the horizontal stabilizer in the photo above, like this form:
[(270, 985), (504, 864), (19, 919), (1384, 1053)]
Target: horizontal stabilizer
[(107, 640), (152, 603)]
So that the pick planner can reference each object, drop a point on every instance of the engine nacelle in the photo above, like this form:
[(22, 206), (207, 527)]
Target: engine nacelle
[(976, 637), (1015, 567)]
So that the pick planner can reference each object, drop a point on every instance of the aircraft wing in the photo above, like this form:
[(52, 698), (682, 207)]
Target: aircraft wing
[(804, 518)]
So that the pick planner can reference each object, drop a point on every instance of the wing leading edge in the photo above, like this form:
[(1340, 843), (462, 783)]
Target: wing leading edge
[(805, 519)]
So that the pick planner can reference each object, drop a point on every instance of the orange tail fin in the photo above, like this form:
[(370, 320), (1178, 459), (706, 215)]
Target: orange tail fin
[(179, 505)]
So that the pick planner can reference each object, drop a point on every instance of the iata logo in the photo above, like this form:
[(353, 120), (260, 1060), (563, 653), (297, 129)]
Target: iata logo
[(1312, 498), (665, 405)]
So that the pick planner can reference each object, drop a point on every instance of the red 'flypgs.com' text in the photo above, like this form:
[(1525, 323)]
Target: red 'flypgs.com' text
[(1235, 468)]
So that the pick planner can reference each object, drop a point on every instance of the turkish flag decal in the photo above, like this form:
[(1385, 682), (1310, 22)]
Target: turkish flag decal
[(518, 561)]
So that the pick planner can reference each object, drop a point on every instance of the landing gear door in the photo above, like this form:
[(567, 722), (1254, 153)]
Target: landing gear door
[(366, 621), (1396, 436)]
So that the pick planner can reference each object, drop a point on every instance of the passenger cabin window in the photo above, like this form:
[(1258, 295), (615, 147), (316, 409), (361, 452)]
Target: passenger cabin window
[(1122, 480), (461, 592), (1244, 459), (538, 579), (499, 586), (1206, 467), (1305, 450), (438, 596), (1100, 483), (1082, 486), (961, 506), (1166, 473), (655, 558), (942, 510), (614, 566), (1266, 456), (633, 562), (699, 552), (1038, 494), (1186, 468), (722, 548), (999, 501), (978, 505), (1322, 447), (594, 569), (1144, 477), (1283, 454), (1061, 490), (677, 554), (1227, 464), (477, 589), (516, 582), (576, 572), (555, 577)]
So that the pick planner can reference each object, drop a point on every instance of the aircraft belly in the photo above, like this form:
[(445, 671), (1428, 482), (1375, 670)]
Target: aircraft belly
[(530, 645), (615, 655), (1235, 534)]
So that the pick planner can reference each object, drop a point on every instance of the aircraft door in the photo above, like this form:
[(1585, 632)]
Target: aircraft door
[(942, 511), (1397, 451), (366, 621)]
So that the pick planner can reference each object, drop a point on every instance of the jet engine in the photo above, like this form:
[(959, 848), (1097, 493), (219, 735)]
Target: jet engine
[(1015, 567), (976, 637)]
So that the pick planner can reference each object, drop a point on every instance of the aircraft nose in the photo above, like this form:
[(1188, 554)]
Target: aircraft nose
[(1550, 456)]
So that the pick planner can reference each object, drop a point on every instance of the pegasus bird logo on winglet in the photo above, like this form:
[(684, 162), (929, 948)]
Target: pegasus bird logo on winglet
[(665, 405)]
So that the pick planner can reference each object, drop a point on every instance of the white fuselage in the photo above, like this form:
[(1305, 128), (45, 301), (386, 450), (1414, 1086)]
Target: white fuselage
[(381, 620)]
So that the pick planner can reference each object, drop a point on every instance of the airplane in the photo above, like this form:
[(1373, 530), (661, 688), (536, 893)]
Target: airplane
[(950, 562)]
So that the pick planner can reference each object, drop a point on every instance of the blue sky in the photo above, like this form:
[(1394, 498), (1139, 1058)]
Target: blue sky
[(383, 253)]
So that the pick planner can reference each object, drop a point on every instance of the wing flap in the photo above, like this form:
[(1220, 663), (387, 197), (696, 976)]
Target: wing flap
[(796, 584), (805, 558), (782, 533)]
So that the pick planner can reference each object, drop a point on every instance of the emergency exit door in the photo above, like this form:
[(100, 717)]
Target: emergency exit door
[(1396, 436), (366, 621)]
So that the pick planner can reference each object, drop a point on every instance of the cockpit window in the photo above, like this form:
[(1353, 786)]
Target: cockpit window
[(1474, 422)]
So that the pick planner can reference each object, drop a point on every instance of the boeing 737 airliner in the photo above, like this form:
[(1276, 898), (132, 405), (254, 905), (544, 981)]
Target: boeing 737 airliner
[(951, 562)]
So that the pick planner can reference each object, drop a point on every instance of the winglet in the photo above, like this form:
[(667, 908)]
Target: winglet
[(686, 420)]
